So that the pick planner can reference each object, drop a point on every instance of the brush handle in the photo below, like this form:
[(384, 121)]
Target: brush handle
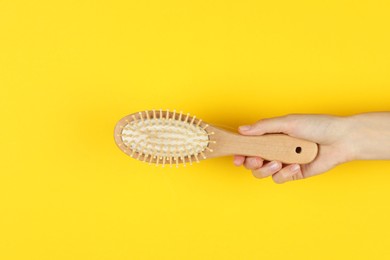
[(271, 147)]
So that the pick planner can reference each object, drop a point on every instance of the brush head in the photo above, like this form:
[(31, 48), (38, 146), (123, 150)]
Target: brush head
[(163, 137)]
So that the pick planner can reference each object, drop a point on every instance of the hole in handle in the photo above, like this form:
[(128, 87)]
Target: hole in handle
[(298, 149)]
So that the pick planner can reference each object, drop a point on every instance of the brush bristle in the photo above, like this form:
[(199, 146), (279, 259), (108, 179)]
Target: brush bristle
[(164, 137)]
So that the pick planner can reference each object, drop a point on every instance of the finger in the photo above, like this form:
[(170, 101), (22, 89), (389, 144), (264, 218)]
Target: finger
[(269, 125), (253, 163), (238, 160), (326, 159), (288, 173), (267, 170)]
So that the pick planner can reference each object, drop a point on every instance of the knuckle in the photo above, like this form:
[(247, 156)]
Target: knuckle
[(253, 163), (260, 121), (248, 165), (277, 180), (259, 174), (291, 122)]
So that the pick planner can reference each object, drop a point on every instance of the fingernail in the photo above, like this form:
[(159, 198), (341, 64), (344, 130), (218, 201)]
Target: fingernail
[(295, 168), (244, 128), (236, 162), (273, 166), (254, 162)]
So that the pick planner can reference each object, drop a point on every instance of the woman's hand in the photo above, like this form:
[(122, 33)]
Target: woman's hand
[(340, 139)]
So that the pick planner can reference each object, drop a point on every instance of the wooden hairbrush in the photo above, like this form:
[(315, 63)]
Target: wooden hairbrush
[(164, 137)]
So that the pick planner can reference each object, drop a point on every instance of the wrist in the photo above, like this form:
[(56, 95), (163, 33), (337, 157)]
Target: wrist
[(348, 138), (353, 138), (369, 136)]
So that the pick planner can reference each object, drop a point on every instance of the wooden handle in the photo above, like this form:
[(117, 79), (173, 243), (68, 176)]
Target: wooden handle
[(271, 147), (276, 147)]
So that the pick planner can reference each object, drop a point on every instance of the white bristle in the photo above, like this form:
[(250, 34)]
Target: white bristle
[(165, 137)]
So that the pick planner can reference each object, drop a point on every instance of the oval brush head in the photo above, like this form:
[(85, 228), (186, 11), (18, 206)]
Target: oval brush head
[(163, 137)]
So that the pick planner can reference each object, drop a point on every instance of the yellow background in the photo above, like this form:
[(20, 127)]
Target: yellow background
[(70, 69)]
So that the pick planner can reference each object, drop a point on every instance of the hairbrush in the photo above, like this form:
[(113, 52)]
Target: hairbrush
[(166, 137)]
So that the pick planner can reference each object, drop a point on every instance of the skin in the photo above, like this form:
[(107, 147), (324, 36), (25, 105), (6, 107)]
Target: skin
[(340, 140)]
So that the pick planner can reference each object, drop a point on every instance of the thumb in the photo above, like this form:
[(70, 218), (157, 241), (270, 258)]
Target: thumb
[(269, 125)]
